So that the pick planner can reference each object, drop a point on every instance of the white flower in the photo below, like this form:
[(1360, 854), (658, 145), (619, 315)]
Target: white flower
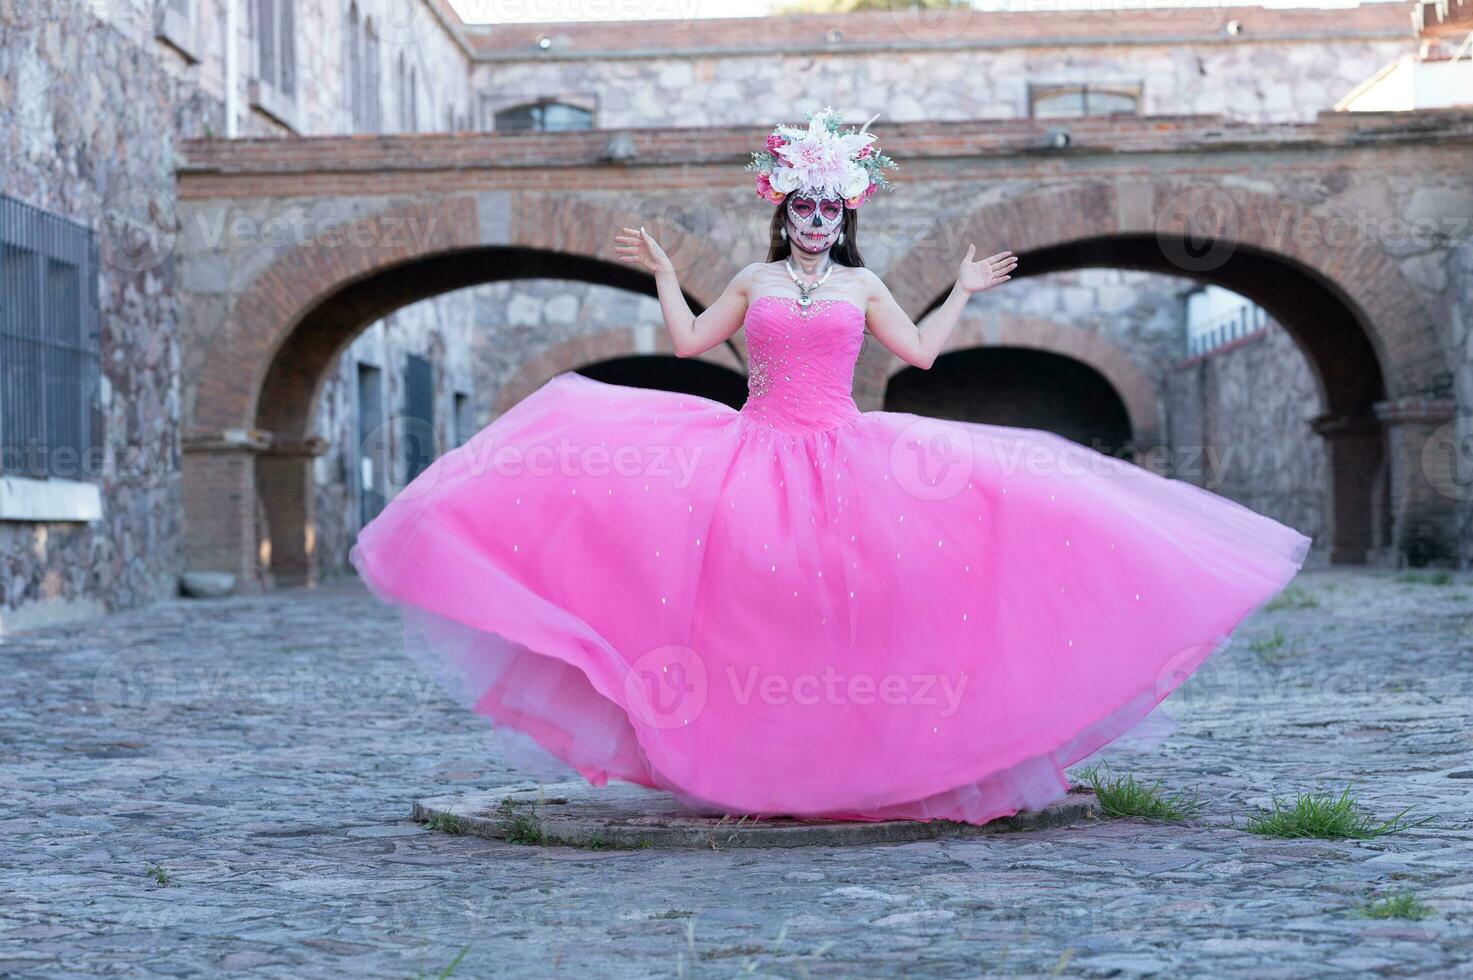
[(785, 180), (855, 182)]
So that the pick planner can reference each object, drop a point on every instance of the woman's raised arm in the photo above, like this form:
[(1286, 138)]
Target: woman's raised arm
[(917, 347), (689, 334)]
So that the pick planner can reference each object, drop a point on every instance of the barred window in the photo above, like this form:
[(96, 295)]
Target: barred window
[(48, 344)]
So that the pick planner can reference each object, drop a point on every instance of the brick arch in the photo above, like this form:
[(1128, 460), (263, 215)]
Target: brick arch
[(311, 301), (1135, 389), (1344, 297), (1365, 332), (577, 352), (254, 374)]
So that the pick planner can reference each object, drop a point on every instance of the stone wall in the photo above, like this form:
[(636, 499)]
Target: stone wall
[(1238, 423), (1456, 309), (521, 319), (88, 117), (1139, 312), (1255, 82)]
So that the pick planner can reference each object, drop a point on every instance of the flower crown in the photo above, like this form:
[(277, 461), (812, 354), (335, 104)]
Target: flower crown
[(822, 160)]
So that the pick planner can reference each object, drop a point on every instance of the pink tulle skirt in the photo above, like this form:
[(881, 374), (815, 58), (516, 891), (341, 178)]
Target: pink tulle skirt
[(897, 617)]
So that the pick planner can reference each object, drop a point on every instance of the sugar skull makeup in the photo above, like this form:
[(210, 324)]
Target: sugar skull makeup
[(813, 222)]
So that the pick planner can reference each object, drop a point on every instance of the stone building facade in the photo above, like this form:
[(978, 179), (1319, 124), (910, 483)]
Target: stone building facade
[(96, 97), (1244, 62)]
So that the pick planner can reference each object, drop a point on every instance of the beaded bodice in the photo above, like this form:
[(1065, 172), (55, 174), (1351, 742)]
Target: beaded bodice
[(800, 362)]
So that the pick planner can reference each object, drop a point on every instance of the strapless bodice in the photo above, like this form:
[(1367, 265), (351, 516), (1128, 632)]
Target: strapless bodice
[(801, 362)]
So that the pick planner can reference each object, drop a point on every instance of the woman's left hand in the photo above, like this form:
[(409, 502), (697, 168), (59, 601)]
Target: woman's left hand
[(977, 276)]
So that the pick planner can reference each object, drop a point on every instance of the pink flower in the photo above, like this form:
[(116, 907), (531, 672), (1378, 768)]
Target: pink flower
[(766, 191), (774, 141), (864, 151), (854, 202)]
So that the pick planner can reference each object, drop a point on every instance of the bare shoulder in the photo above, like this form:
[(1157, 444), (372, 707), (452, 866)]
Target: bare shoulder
[(741, 283), (874, 287), (750, 272)]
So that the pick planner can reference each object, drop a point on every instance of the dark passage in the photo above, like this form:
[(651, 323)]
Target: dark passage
[(665, 373), (1017, 387)]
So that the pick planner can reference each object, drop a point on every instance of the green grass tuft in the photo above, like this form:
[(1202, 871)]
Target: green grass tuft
[(1404, 906), (1426, 578), (520, 825), (1325, 817), (158, 874), (1274, 647), (447, 823), (1270, 643), (1292, 598), (1125, 796)]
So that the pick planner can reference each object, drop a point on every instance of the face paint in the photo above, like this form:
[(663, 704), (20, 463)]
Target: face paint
[(813, 223)]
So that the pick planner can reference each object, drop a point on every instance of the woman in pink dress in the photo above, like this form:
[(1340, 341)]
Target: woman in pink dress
[(798, 608)]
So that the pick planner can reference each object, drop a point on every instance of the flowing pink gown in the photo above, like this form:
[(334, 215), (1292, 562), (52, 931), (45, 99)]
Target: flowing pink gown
[(802, 609)]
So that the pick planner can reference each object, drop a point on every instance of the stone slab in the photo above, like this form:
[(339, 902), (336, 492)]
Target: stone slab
[(622, 816)]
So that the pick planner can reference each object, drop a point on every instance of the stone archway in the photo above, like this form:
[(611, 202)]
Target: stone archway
[(1112, 363), (1382, 372), (254, 369), (570, 355)]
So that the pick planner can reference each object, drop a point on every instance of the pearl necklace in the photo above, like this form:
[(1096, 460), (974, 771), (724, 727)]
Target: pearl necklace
[(805, 300)]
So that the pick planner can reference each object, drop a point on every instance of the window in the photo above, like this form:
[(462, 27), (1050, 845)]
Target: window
[(418, 441), (465, 423), (353, 69), (276, 45), (1073, 100), (176, 26), (408, 96), (408, 89), (372, 114), (414, 100), (360, 66), (373, 451), (544, 116), (48, 344)]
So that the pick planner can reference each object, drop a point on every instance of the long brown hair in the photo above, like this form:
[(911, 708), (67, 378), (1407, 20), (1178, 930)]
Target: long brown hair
[(844, 253)]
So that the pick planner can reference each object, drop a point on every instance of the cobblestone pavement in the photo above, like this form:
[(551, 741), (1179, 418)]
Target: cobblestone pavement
[(270, 770)]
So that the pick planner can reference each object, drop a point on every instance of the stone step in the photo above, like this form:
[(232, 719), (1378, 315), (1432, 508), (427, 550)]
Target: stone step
[(622, 816)]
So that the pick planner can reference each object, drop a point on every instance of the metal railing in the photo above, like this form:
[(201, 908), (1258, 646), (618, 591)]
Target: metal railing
[(49, 340), (1225, 328)]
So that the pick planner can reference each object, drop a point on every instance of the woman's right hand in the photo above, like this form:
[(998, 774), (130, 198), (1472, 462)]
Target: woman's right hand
[(637, 246)]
